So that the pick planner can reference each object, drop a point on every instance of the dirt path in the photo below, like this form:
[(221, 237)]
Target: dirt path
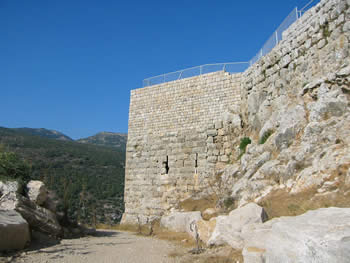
[(106, 247)]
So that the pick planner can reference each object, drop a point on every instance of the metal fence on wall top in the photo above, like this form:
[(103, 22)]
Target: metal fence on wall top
[(232, 67), (276, 37)]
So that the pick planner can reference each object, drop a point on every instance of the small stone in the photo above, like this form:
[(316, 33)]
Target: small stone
[(224, 159), (321, 43), (218, 125)]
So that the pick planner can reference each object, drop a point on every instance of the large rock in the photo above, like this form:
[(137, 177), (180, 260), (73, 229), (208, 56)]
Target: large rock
[(290, 123), (14, 231), (37, 192), (181, 221), (228, 228), (205, 229), (321, 235), (39, 218), (8, 187)]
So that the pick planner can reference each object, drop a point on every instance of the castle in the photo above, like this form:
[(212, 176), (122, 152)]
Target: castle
[(181, 131)]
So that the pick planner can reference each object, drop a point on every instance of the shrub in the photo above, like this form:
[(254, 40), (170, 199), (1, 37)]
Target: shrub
[(243, 144), (13, 168), (229, 202), (265, 136)]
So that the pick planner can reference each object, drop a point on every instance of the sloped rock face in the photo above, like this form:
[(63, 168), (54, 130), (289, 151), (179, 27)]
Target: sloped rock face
[(228, 228), (14, 231), (297, 99), (322, 235)]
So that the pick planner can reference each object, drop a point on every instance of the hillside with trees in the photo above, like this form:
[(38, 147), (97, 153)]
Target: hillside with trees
[(109, 139), (88, 178)]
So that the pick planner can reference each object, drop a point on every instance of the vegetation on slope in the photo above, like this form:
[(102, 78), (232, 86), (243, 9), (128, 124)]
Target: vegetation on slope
[(109, 139), (45, 133), (88, 178)]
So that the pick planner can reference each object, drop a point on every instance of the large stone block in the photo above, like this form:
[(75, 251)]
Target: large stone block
[(181, 221), (14, 230), (321, 235), (228, 229)]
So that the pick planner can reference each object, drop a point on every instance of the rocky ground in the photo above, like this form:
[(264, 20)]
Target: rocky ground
[(118, 247), (106, 246)]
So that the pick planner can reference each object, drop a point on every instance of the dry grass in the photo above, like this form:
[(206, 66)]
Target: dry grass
[(199, 205), (179, 238), (107, 227), (221, 255), (282, 203)]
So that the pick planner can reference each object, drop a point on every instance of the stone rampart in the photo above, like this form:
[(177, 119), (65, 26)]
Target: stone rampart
[(170, 141), (181, 132)]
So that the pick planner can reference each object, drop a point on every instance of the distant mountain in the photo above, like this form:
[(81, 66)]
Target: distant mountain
[(45, 133), (109, 139), (89, 178)]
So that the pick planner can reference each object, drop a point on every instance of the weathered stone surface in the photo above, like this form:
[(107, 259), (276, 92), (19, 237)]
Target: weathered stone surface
[(290, 123), (321, 235), (205, 229), (38, 217), (180, 221), (299, 91), (209, 213), (8, 187), (228, 228), (14, 231), (37, 192)]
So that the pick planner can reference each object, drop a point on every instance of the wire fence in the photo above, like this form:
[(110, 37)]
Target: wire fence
[(276, 37), (233, 67)]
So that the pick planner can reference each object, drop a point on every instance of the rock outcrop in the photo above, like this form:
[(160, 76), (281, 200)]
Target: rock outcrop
[(321, 235), (14, 231), (39, 218), (37, 192), (181, 221), (228, 229)]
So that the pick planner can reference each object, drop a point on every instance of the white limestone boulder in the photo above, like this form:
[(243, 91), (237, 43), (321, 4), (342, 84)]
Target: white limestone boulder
[(322, 236), (39, 218), (290, 122), (180, 221), (228, 228), (37, 192), (14, 231)]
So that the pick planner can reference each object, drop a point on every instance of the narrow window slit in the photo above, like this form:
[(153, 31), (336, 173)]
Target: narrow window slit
[(196, 163), (166, 164)]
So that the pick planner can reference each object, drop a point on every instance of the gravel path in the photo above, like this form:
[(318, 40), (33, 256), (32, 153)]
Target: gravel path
[(106, 247)]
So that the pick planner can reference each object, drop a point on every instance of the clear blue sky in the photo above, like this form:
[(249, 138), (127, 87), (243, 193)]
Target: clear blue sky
[(69, 65)]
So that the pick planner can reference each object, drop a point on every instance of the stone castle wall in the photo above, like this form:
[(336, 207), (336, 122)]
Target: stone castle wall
[(313, 47), (170, 140), (183, 104), (181, 131)]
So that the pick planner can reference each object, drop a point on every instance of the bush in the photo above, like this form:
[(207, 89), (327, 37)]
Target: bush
[(243, 144), (13, 168), (265, 136)]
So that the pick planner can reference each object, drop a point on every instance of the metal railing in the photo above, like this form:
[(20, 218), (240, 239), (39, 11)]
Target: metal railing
[(306, 7), (276, 37), (233, 67)]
